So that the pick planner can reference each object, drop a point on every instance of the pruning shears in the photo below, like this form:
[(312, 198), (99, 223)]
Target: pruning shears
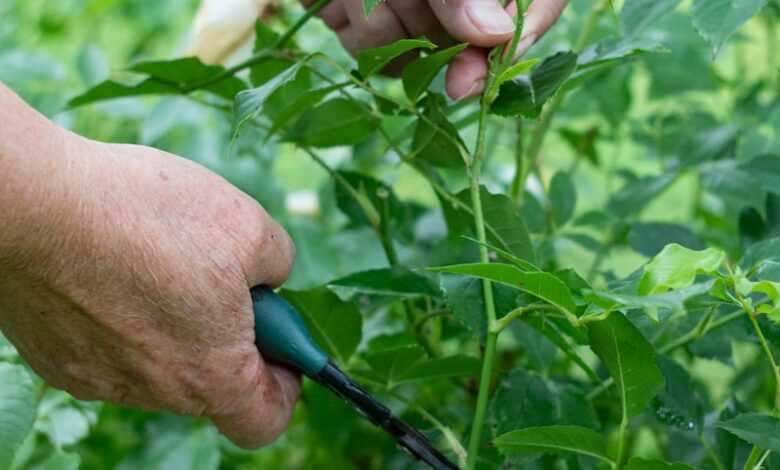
[(282, 336)]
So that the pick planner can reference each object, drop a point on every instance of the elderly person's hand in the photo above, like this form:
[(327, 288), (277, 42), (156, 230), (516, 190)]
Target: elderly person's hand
[(482, 23), (125, 275)]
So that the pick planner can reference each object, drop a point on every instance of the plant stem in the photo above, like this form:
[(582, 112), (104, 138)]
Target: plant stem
[(545, 122), (767, 350), (487, 289), (621, 441), (753, 459)]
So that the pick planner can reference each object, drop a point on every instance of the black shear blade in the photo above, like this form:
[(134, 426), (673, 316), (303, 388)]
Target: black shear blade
[(407, 437)]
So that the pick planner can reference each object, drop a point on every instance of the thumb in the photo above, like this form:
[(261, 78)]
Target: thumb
[(482, 23), (263, 412)]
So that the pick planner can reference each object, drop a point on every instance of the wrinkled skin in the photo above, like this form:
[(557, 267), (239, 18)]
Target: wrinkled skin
[(125, 275), (482, 23)]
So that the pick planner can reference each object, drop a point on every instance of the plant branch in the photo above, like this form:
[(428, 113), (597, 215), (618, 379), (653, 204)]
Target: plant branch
[(545, 122)]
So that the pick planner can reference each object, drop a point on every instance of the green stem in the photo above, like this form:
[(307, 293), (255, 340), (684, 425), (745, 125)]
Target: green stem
[(621, 441), (750, 312), (753, 459), (711, 453), (487, 290), (540, 132)]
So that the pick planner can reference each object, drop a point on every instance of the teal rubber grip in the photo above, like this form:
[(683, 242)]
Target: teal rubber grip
[(281, 334)]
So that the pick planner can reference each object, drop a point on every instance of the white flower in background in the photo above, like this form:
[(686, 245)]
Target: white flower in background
[(222, 26)]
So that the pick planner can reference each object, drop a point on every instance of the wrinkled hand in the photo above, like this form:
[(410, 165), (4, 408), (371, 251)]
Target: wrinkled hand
[(482, 23), (125, 277)]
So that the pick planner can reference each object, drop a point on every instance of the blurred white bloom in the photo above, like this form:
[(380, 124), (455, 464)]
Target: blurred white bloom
[(303, 202), (223, 26)]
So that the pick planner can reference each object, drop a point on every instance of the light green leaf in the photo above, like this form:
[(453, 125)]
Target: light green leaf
[(334, 324), (717, 20), (757, 429), (554, 439), (17, 410), (339, 121), (517, 69), (60, 460), (539, 284), (371, 61), (388, 281), (639, 15), (249, 104), (630, 359), (677, 267), (418, 75), (638, 463)]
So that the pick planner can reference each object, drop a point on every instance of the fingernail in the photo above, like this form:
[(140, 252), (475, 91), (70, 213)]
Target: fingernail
[(490, 18), (474, 90)]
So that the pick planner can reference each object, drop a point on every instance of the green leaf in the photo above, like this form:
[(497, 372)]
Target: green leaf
[(680, 400), (649, 238), (436, 140), (334, 324), (18, 405), (632, 198), (249, 104), (638, 463), (553, 439), (339, 121), (504, 225), (760, 430), (717, 20), (563, 198), (516, 70), (766, 170), (527, 95), (371, 61), (676, 267), (189, 72), (639, 15), (110, 89), (60, 460), (630, 359), (301, 104), (760, 256), (525, 399), (408, 364), (388, 281), (176, 76), (418, 75), (539, 284)]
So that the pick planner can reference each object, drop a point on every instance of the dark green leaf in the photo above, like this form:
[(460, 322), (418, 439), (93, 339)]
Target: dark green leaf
[(635, 196), (408, 364), (679, 404), (760, 430), (371, 61), (630, 359), (527, 95), (418, 75), (563, 197), (389, 281), (539, 284), (110, 90), (190, 72), (436, 140), (334, 324), (650, 238), (339, 121)]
